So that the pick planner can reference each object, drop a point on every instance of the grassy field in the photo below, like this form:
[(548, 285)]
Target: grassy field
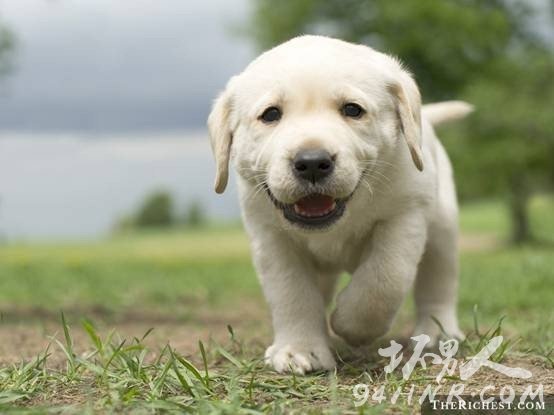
[(198, 292)]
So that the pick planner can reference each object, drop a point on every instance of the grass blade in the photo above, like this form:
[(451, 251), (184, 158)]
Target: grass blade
[(91, 331), (229, 357), (205, 361)]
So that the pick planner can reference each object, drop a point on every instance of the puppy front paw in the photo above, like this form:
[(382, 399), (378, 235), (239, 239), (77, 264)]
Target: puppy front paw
[(299, 359)]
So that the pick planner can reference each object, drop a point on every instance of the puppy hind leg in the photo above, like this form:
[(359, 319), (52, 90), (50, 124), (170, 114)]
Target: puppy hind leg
[(436, 284)]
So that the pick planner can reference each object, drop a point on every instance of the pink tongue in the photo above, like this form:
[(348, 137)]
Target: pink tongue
[(314, 205)]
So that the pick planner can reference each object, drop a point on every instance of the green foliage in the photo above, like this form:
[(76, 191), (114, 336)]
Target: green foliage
[(508, 145), (515, 118), (194, 215), (7, 44), (156, 210), (510, 136), (442, 42)]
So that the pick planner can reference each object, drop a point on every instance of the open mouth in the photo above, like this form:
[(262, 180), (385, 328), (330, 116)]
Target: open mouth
[(312, 211)]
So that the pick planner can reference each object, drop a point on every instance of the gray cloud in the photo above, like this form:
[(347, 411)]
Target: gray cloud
[(100, 65)]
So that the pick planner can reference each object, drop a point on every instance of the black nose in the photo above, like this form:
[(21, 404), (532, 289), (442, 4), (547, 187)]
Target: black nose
[(313, 165)]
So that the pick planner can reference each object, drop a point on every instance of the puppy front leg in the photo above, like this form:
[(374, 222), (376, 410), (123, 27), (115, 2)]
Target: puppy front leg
[(297, 308), (367, 306)]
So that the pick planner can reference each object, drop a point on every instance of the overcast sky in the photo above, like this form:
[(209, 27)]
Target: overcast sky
[(125, 65)]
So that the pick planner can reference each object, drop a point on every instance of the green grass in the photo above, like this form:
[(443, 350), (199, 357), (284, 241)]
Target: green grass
[(183, 274), (153, 269)]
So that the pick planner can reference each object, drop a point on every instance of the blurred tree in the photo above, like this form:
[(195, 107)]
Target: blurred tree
[(482, 51), (194, 215), (157, 210), (7, 43), (442, 42), (123, 224), (509, 145)]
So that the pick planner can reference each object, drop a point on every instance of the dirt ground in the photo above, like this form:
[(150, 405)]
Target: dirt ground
[(28, 333)]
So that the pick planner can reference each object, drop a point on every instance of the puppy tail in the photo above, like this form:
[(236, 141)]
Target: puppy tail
[(442, 112)]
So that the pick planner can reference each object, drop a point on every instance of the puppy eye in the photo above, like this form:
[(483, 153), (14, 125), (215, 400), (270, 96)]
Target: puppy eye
[(352, 110), (271, 114)]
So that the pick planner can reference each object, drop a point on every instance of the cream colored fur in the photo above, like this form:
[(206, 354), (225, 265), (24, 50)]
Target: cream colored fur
[(399, 228)]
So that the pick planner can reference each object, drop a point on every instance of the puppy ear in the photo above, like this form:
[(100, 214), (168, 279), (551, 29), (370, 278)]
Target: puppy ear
[(408, 108), (221, 137)]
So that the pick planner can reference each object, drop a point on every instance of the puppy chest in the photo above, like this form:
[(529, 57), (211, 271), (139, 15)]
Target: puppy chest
[(338, 252)]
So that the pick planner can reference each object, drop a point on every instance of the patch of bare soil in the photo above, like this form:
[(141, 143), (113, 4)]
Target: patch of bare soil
[(22, 340), (541, 375)]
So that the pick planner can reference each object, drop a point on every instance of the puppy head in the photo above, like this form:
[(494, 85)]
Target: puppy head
[(308, 120)]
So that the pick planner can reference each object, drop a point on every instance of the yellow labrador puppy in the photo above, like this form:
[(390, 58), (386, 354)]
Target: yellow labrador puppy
[(339, 170)]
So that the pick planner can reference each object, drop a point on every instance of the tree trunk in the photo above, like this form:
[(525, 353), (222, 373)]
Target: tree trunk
[(519, 210)]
